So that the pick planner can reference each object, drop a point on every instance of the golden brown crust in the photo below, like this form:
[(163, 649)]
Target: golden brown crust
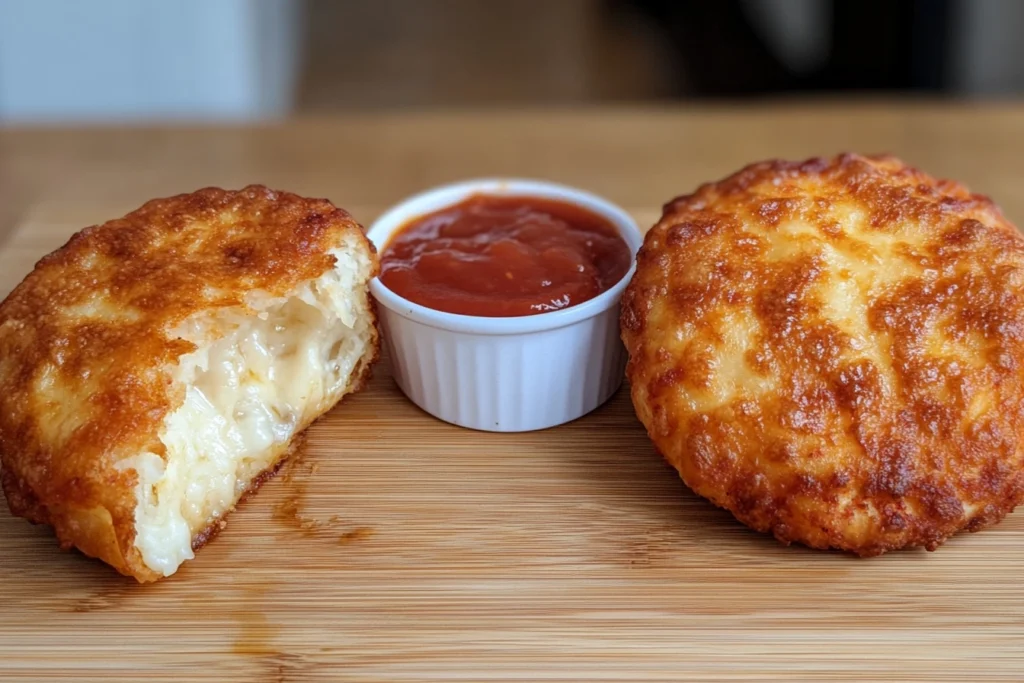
[(85, 346), (833, 350)]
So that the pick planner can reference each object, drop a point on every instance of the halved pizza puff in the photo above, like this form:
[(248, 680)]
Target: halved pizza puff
[(157, 367)]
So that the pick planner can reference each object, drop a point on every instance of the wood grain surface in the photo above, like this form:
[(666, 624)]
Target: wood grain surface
[(400, 548)]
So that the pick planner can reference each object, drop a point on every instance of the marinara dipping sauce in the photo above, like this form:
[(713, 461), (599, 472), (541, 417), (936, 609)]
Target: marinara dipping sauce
[(504, 256)]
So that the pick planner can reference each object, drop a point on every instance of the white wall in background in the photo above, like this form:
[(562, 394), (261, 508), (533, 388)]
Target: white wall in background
[(127, 60)]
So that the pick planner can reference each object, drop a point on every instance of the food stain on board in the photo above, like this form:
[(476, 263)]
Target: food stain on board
[(358, 534), (297, 474), (256, 634), (106, 598)]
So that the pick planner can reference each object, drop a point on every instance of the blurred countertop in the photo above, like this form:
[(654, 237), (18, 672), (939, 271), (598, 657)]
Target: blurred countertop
[(639, 157)]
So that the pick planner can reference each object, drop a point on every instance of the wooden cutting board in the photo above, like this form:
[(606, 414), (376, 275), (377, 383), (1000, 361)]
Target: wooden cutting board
[(399, 548)]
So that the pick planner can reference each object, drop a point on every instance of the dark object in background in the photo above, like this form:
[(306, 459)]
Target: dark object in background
[(874, 45)]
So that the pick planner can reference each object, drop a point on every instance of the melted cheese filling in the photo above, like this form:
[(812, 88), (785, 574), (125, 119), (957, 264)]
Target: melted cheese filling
[(246, 396)]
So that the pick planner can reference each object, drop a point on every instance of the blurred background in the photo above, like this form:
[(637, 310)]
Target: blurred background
[(143, 60)]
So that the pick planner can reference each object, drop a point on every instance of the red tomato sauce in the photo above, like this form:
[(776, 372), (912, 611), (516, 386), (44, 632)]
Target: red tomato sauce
[(504, 256)]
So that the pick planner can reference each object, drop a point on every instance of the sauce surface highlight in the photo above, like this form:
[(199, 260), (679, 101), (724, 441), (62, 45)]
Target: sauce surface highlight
[(504, 256)]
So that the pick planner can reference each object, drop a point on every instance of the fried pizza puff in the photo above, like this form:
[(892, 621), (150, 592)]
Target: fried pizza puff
[(157, 367), (833, 350)]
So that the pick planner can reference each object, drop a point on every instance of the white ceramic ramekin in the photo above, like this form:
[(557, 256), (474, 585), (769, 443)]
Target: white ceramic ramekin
[(504, 374)]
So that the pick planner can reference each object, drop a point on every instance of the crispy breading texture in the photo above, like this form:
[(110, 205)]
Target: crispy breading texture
[(86, 345), (833, 350)]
